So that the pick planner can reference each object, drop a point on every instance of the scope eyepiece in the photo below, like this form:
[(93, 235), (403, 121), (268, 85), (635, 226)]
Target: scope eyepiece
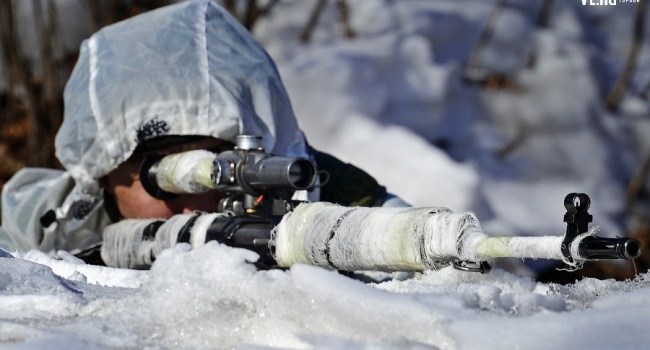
[(148, 173)]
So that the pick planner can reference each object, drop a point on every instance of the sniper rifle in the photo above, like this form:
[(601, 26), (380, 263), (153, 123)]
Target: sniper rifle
[(258, 189)]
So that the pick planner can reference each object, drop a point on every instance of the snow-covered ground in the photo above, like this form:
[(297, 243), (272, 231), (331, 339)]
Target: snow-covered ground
[(212, 298), (382, 101)]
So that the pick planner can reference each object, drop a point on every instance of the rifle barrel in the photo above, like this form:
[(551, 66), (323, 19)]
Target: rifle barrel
[(549, 247), (596, 248)]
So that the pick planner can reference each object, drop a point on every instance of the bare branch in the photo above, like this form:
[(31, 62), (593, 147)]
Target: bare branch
[(231, 6), (645, 92), (23, 77), (616, 95), (307, 32), (250, 15), (344, 19), (545, 12), (516, 142), (473, 64), (636, 183), (95, 9), (255, 12), (263, 11)]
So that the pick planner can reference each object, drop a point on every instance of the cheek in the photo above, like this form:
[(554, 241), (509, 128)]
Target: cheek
[(135, 203), (205, 202)]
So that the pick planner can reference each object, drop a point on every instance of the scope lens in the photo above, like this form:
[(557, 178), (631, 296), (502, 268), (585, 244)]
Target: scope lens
[(301, 174)]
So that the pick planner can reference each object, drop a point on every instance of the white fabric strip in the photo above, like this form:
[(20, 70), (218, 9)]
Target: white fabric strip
[(200, 228), (92, 81), (395, 239), (203, 102), (122, 244), (547, 247), (167, 235), (186, 172)]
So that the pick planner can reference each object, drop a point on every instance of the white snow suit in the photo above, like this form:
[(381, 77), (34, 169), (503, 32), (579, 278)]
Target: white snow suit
[(185, 69)]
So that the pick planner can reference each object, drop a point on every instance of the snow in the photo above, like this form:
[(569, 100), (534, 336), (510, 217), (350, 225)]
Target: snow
[(211, 297), (393, 101)]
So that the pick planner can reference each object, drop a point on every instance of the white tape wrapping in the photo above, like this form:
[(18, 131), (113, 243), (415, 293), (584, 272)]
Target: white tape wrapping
[(187, 172), (394, 239)]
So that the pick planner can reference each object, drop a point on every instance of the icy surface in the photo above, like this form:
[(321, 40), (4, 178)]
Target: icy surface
[(393, 101)]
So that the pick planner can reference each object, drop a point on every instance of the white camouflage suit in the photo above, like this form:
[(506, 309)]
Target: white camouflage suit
[(186, 69)]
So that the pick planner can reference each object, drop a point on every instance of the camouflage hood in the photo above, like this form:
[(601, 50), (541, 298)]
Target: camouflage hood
[(186, 69)]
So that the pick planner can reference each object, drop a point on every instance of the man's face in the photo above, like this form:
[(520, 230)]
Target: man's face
[(134, 202)]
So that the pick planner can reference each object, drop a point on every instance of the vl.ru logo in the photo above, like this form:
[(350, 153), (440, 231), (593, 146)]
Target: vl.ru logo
[(604, 2)]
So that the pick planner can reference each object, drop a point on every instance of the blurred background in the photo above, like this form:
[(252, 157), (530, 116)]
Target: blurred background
[(499, 107)]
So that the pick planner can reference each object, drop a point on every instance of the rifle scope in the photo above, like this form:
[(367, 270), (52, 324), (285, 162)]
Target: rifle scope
[(246, 169)]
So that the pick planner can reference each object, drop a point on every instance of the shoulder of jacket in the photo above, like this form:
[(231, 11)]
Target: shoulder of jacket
[(31, 178), (346, 184)]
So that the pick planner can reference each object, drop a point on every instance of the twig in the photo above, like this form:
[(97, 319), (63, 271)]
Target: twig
[(344, 19), (95, 10), (263, 11), (51, 91), (514, 143), (16, 62), (6, 28), (307, 32), (250, 15), (616, 95), (231, 6), (471, 69), (645, 92), (255, 12), (252, 12), (545, 12), (636, 183)]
